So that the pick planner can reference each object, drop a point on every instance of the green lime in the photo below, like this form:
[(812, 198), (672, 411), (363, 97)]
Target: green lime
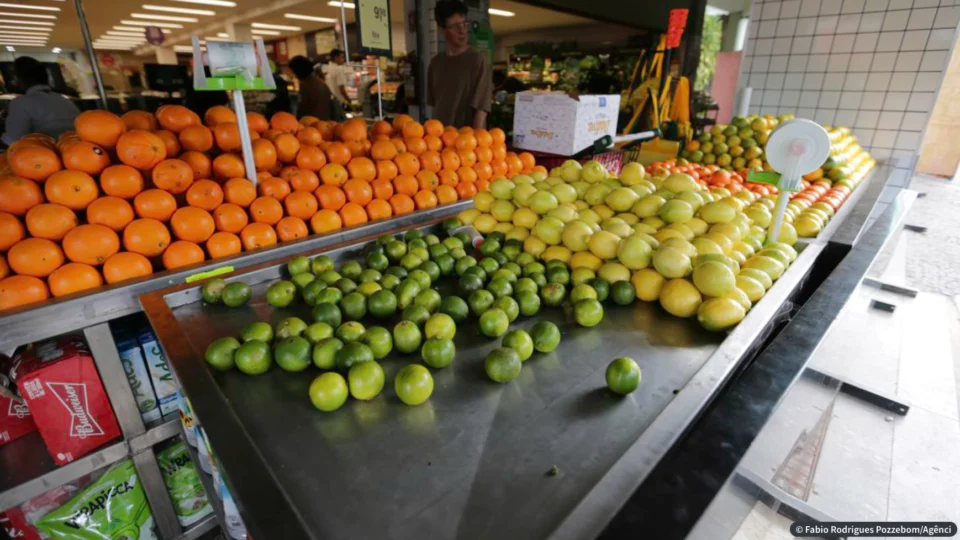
[(416, 314), (511, 251), (407, 292), (389, 282), (370, 276), (480, 301), (302, 280), (528, 302), (368, 288), (365, 380), (525, 284), (421, 277), (419, 249), (260, 331), (236, 294), (458, 253), (438, 352), (351, 270), (509, 306), (504, 274), (327, 313), (212, 290), (317, 332), (588, 312), (452, 243), (623, 293), (514, 269), (581, 275), (281, 293), (494, 323), (312, 291), (558, 275), (581, 292), (602, 288), (330, 276), (220, 353), (407, 336), (412, 234), (449, 225), (325, 353), (379, 340), (330, 295), (546, 336), (328, 392), (298, 265), (413, 384), (500, 287), (519, 341), (440, 326), (386, 239), (346, 285), (463, 263), (500, 258), (253, 357), (489, 246), (397, 271), (432, 269), (463, 237), (292, 353), (373, 248), (353, 306), (321, 264), (553, 294), (431, 239), (623, 375), (502, 365), (446, 263), (396, 250), (437, 250), (290, 326), (477, 271), (382, 304), (468, 284), (556, 264), (455, 307), (429, 299), (532, 268), (539, 279), (524, 259), (378, 261), (350, 331), (488, 265), (352, 354), (410, 261)]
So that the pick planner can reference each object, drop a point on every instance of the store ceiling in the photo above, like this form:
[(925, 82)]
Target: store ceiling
[(104, 15)]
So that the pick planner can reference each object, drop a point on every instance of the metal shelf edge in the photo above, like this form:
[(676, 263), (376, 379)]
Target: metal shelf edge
[(200, 528), (208, 487)]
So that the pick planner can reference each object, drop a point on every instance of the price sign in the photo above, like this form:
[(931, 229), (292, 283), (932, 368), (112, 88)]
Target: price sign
[(373, 27)]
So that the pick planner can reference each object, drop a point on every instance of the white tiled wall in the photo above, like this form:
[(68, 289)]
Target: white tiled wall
[(873, 65)]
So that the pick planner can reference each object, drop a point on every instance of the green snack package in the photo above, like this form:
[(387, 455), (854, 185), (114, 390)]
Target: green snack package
[(180, 475), (113, 507)]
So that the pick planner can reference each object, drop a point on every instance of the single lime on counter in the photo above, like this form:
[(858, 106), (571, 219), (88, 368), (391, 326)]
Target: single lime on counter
[(553, 294), (327, 312), (382, 304), (317, 332), (502, 365), (455, 307), (429, 299), (582, 292), (321, 264), (312, 291), (602, 288), (416, 314), (236, 294), (281, 293), (623, 375), (529, 303), (220, 353), (494, 323), (546, 336), (212, 290), (413, 384), (352, 354), (350, 331), (353, 306), (438, 352), (290, 326), (365, 380), (521, 342), (379, 340), (325, 353), (509, 306), (623, 293), (330, 295), (259, 331), (298, 265), (440, 326), (328, 392), (480, 301), (292, 353), (588, 312), (407, 336), (253, 357)]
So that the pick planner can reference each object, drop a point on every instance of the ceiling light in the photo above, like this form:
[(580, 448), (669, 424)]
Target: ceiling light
[(223, 34), (38, 8), (31, 23), (348, 5), (275, 26), (10, 49), (151, 23), (188, 11), (30, 15), (25, 43), (163, 17), (19, 41), (38, 30), (10, 33), (114, 39), (221, 3), (309, 18), (265, 32), (186, 48), (501, 12), (56, 50), (112, 47), (131, 34), (136, 29)]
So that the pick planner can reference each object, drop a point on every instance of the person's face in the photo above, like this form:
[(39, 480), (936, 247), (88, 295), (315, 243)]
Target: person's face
[(340, 60), (455, 31)]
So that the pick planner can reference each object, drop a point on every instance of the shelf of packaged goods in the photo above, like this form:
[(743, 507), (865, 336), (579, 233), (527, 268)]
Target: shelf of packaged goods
[(209, 487), (200, 528), (57, 316), (477, 453)]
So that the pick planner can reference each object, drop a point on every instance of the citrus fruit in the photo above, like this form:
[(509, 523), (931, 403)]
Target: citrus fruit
[(521, 342), (469, 283), (253, 357), (438, 352), (718, 314), (546, 336), (480, 301), (260, 331), (365, 380), (281, 293), (378, 261), (407, 336), (220, 353), (379, 340), (429, 299), (321, 264), (350, 331), (302, 280), (212, 290), (502, 364), (382, 304), (509, 306), (353, 306), (440, 326), (455, 307), (494, 323), (588, 312), (236, 294), (680, 298), (602, 287), (525, 284), (298, 265), (327, 312), (623, 293), (353, 353), (329, 276), (325, 353), (292, 353), (346, 285), (413, 384), (581, 292), (317, 332), (290, 326), (714, 278), (623, 375), (328, 392), (528, 302), (553, 294), (558, 275)]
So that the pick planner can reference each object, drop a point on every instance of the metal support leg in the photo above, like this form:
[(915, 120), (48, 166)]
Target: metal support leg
[(872, 396), (93, 57), (161, 506)]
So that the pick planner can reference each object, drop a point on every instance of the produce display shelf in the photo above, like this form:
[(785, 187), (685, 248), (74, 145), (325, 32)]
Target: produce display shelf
[(57, 316), (473, 461)]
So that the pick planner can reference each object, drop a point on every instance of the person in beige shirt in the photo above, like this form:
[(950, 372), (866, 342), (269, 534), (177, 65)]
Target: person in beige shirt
[(459, 79), (315, 98)]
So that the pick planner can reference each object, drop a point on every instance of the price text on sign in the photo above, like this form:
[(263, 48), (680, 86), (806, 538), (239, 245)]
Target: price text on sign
[(373, 26)]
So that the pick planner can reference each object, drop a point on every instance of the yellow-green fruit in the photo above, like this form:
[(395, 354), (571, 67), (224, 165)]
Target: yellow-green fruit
[(564, 192), (621, 199), (604, 244), (759, 214), (654, 243), (680, 298), (467, 216), (678, 182), (753, 288), (576, 234), (549, 229), (634, 252), (556, 253), (604, 211), (775, 254), (717, 212), (525, 217), (553, 180), (685, 232), (564, 213), (632, 174), (643, 228), (542, 202), (664, 234), (807, 227), (648, 283), (740, 297), (671, 262), (527, 179), (589, 216), (729, 230), (758, 275), (642, 190), (788, 234), (518, 233), (720, 313), (769, 265), (522, 194), (725, 243), (648, 206), (503, 227), (585, 259), (613, 272), (725, 260), (581, 188), (675, 211), (697, 225), (618, 227), (787, 249), (596, 194), (705, 245), (502, 210), (654, 222), (681, 244), (534, 246), (628, 218), (483, 201), (581, 205), (744, 248), (714, 279), (502, 189), (485, 223)]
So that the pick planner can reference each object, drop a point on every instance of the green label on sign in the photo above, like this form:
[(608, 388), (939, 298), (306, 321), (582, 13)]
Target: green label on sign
[(764, 177), (373, 26)]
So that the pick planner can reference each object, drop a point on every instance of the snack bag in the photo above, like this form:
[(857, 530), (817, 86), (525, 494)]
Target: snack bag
[(186, 491)]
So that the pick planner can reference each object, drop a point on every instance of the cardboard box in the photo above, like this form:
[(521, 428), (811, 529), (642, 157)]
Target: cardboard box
[(163, 383), (556, 123), (131, 357), (15, 418), (58, 379)]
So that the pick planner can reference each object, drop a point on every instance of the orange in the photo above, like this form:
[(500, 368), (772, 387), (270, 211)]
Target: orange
[(483, 185), (227, 136), (17, 195), (333, 174), (4, 268), (303, 180), (499, 152), (528, 161), (139, 120), (284, 121), (239, 191), (147, 237), (264, 154), (484, 155), (21, 290), (290, 228), (270, 134), (484, 139), (540, 168), (170, 142), (338, 153), (383, 150), (287, 147), (398, 143), (428, 180), (74, 277), (141, 149), (408, 164), (449, 137), (468, 158), (205, 194), (325, 220), (286, 173), (219, 114), (465, 129), (399, 120), (415, 146), (311, 158), (381, 127), (36, 257), (498, 136), (412, 130), (500, 169), (357, 148), (176, 118), (401, 204), (121, 181), (229, 217), (50, 221), (514, 165), (379, 209), (256, 121), (309, 136), (112, 212), (446, 195), (361, 168), (450, 159), (224, 244), (12, 231), (330, 197), (466, 142), (406, 185), (466, 190), (228, 166), (448, 178), (126, 265), (99, 127), (358, 191), (353, 214), (34, 163), (258, 235), (172, 175), (430, 161), (85, 157), (301, 204), (326, 129), (425, 199), (433, 142), (266, 210), (181, 253), (199, 162), (91, 244), (387, 170), (196, 139), (484, 171), (433, 127), (354, 129), (73, 189), (467, 174), (192, 224), (382, 189), (155, 204)]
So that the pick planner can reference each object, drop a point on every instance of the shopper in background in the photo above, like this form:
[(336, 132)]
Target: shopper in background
[(315, 98), (459, 79), (337, 77), (40, 110)]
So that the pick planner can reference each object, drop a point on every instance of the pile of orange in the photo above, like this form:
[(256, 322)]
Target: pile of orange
[(121, 197)]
